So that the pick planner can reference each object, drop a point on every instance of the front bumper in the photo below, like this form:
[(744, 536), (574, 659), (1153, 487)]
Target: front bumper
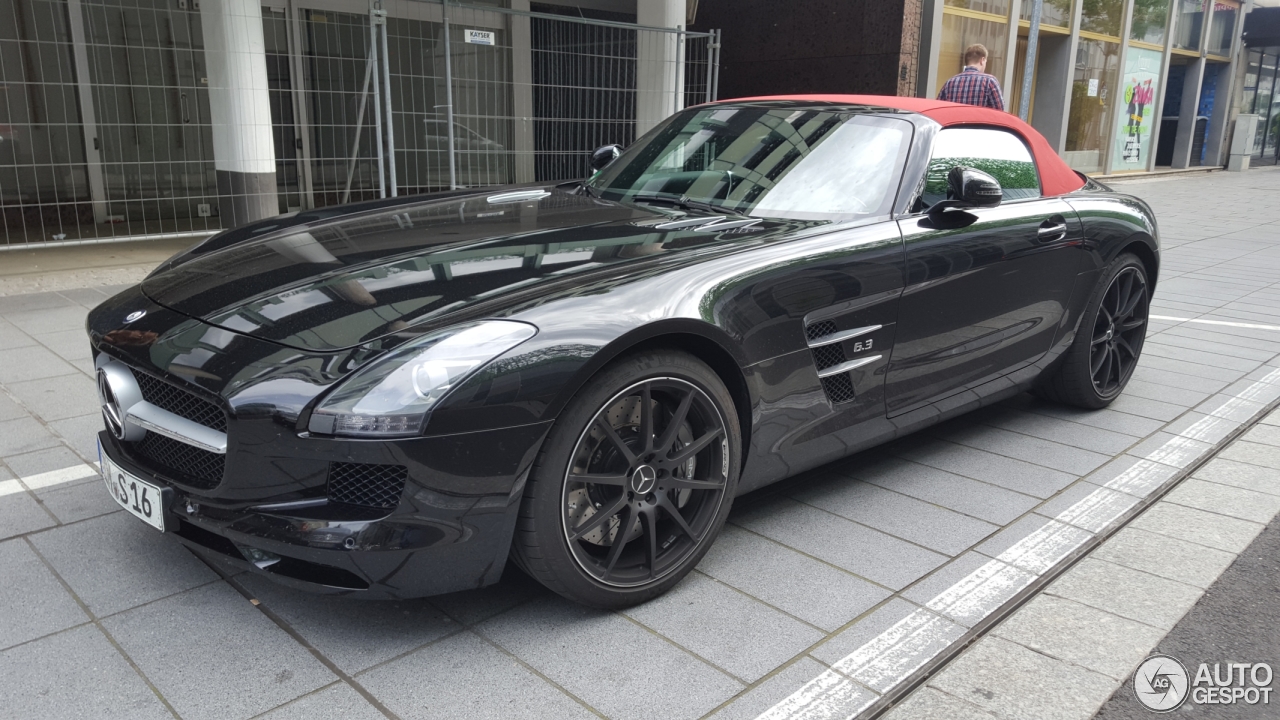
[(436, 540)]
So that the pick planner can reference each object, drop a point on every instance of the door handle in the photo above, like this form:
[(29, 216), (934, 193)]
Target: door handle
[(1052, 230)]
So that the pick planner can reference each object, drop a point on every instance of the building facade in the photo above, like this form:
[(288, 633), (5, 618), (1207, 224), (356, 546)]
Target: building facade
[(1116, 85), (146, 118), (1261, 86)]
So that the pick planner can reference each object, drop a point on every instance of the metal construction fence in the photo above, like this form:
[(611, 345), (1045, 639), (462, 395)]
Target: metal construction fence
[(105, 129)]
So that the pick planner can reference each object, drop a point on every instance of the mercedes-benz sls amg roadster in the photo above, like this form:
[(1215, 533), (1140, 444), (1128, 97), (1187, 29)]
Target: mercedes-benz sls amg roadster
[(392, 399)]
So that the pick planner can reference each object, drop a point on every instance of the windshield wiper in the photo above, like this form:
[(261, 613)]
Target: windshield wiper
[(684, 202)]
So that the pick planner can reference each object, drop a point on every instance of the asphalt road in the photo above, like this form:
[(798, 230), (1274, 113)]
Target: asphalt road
[(1237, 620)]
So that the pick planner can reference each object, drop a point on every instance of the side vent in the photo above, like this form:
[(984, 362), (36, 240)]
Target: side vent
[(828, 356), (377, 486), (839, 388), (819, 329), (826, 343)]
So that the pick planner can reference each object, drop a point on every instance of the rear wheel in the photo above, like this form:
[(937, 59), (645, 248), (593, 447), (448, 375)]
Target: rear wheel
[(633, 483), (1109, 342)]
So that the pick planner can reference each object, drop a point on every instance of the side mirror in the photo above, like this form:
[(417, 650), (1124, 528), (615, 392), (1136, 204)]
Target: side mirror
[(973, 188), (603, 155)]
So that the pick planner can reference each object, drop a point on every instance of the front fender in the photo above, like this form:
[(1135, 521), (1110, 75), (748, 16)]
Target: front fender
[(536, 380)]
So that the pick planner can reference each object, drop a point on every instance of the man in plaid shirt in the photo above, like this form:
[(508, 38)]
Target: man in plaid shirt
[(973, 86)]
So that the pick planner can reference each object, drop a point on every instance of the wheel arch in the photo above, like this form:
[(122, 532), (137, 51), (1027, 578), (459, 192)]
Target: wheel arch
[(702, 340), (1143, 246)]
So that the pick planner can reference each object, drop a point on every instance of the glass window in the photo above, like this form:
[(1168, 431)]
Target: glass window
[(1102, 16), (959, 33), (1222, 26), (995, 7), (1093, 91), (1150, 21), (1262, 103), (766, 162), (1190, 21), (1251, 80), (1014, 92), (1052, 12), (998, 153), (1269, 106)]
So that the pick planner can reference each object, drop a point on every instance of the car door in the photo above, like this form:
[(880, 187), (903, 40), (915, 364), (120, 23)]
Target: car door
[(986, 287)]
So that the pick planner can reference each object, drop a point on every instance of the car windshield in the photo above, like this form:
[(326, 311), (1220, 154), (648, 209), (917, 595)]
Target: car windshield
[(804, 164)]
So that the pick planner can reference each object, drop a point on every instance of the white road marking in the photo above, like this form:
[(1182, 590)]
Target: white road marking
[(1141, 479), (826, 697), (1045, 547), (47, 479), (1178, 451), (1253, 326), (58, 477), (892, 656), (1097, 510), (982, 591)]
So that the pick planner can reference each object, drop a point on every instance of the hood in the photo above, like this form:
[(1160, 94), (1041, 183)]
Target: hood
[(347, 281)]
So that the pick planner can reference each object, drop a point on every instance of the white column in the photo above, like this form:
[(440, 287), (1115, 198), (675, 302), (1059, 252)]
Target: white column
[(659, 66), (240, 110)]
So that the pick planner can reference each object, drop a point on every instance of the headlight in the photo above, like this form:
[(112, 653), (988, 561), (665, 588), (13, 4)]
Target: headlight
[(392, 396)]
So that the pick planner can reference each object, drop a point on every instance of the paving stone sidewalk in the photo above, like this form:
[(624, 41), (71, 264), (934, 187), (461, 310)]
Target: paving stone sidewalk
[(1075, 646), (103, 617)]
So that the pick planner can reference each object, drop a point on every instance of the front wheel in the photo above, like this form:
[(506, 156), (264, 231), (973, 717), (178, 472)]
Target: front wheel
[(1108, 344), (633, 483)]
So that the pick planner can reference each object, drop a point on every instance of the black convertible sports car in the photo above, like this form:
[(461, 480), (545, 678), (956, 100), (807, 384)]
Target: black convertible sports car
[(389, 399)]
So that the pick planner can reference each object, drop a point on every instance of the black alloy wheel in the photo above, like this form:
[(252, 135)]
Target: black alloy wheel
[(645, 483), (1118, 332), (1108, 343), (633, 483)]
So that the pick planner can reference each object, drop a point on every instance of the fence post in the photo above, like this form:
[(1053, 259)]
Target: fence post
[(377, 101), (386, 80), (715, 71), (448, 96)]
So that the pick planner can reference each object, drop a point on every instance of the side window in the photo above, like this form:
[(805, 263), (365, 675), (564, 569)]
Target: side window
[(998, 153)]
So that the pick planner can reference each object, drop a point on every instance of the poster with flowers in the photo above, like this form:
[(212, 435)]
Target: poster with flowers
[(1137, 109)]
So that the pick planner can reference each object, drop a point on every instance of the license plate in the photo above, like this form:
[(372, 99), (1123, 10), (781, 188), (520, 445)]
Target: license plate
[(142, 499)]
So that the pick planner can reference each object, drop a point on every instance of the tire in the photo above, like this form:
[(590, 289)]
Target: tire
[(597, 481), (1106, 349)]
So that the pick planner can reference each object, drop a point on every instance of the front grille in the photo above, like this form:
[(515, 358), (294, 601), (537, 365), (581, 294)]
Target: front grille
[(819, 329), (181, 402), (378, 486), (186, 463), (839, 388), (828, 356)]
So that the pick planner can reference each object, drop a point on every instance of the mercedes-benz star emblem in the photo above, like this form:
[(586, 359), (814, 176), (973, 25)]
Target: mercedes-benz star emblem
[(135, 315), (110, 405), (643, 480)]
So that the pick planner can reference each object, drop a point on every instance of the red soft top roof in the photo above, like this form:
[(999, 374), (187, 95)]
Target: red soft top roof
[(1056, 178)]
